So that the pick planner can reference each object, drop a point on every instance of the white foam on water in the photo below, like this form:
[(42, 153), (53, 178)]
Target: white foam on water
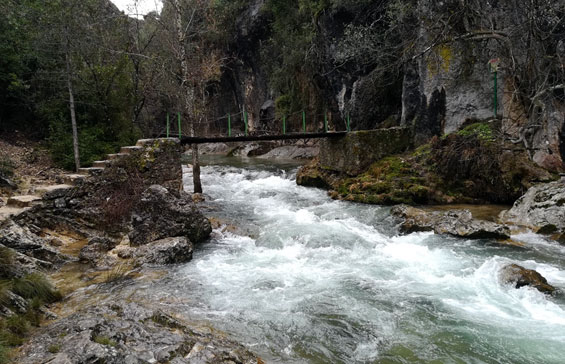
[(318, 280)]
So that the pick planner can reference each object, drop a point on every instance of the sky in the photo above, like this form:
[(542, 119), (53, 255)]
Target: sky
[(143, 6)]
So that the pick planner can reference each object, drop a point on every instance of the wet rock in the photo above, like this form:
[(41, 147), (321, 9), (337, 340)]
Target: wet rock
[(458, 223), (165, 251), (22, 240), (542, 209), (519, 276), (125, 332), (160, 214), (292, 152), (96, 249), (252, 149)]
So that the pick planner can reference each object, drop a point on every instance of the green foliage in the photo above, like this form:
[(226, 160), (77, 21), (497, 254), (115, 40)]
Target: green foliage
[(35, 286), (3, 354)]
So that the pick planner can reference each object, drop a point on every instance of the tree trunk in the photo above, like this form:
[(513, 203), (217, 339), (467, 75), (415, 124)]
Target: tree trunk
[(72, 108), (189, 94), (196, 169)]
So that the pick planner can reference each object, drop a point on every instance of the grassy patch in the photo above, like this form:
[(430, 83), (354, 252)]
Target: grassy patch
[(482, 131), (117, 274), (35, 286), (104, 340), (54, 349)]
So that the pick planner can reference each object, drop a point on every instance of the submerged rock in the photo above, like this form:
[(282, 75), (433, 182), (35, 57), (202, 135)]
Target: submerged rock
[(165, 251), (160, 214), (125, 332), (458, 223), (519, 276), (542, 209)]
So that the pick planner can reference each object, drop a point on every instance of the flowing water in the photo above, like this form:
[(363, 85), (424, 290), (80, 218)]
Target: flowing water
[(310, 280)]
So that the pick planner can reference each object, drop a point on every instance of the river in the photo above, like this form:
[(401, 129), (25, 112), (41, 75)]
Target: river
[(306, 279)]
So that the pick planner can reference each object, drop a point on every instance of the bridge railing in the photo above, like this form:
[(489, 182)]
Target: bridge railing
[(238, 124)]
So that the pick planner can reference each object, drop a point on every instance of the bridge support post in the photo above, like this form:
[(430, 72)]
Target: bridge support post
[(245, 121), (348, 123), (167, 125), (325, 122), (304, 121), (284, 124), (180, 134), (229, 124)]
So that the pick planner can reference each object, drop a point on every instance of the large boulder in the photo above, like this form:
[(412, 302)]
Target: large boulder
[(458, 223), (125, 332), (519, 276), (541, 209), (23, 241), (354, 153), (96, 248), (160, 214), (165, 251)]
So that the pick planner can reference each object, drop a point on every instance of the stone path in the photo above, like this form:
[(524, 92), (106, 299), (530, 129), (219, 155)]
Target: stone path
[(20, 203)]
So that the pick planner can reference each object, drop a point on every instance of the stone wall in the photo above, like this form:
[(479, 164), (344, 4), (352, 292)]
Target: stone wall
[(355, 152)]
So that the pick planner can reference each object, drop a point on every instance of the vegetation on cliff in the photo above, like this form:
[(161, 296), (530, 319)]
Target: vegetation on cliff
[(473, 165)]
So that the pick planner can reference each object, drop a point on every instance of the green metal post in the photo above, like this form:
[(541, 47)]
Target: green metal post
[(167, 125), (245, 120), (229, 124), (304, 121), (325, 122), (178, 114), (495, 93), (348, 123), (284, 124)]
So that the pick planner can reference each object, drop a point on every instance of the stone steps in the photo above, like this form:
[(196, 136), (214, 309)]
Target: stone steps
[(146, 142), (9, 211), (100, 164), (73, 179), (22, 201), (112, 157), (91, 171), (130, 149)]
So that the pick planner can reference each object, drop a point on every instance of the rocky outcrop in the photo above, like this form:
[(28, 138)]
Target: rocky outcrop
[(160, 214), (165, 251), (356, 151), (541, 209), (458, 223), (106, 198), (519, 276), (23, 241), (125, 332)]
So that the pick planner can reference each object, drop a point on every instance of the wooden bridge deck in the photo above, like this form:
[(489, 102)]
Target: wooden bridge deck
[(254, 138)]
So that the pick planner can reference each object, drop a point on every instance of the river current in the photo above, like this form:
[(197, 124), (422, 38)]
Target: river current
[(306, 279)]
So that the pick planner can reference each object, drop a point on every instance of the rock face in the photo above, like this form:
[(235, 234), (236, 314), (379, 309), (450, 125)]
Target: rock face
[(519, 276), (458, 223), (129, 333), (159, 214), (356, 151), (542, 209), (165, 251)]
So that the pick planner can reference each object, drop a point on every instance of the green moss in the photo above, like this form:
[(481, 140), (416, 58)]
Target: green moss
[(54, 349), (104, 340), (482, 131)]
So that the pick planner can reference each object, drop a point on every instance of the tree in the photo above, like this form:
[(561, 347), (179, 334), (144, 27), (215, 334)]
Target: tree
[(197, 62)]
